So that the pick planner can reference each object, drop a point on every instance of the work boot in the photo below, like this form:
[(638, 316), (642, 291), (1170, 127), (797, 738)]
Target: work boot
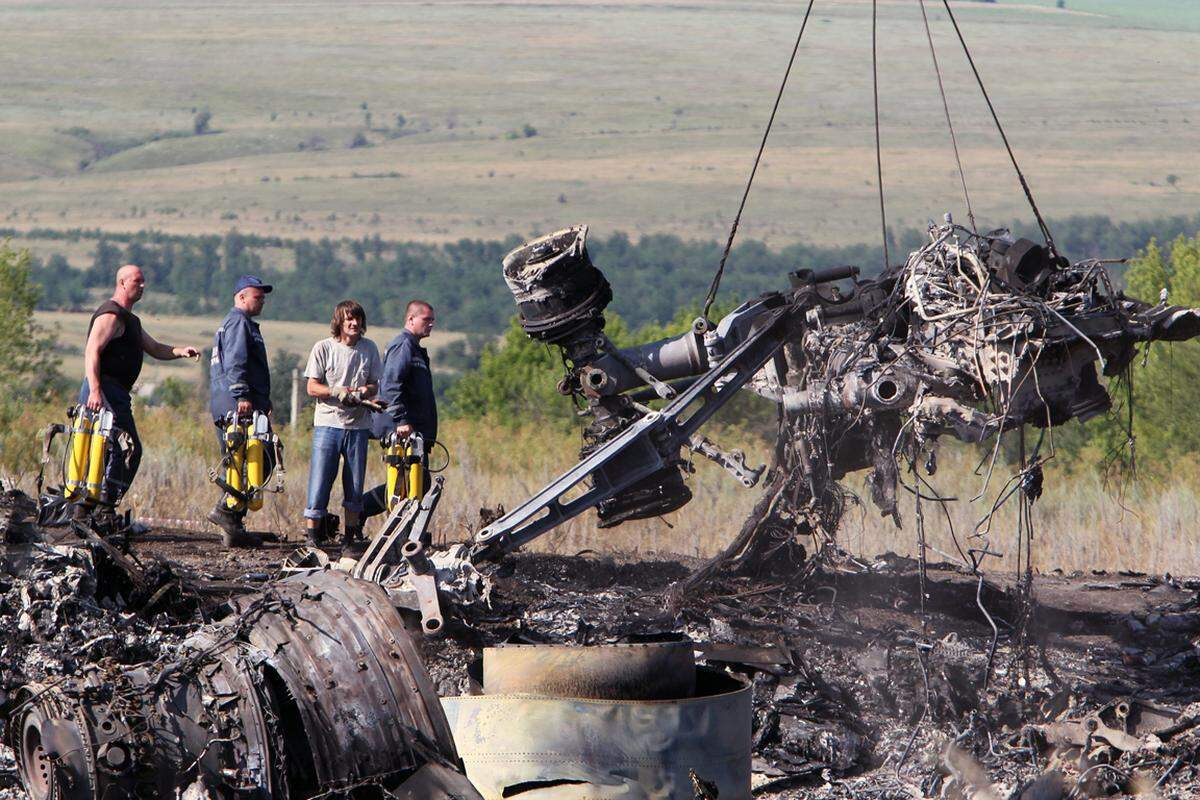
[(224, 519), (314, 532), (329, 527), (353, 544), (233, 533), (105, 520), (241, 538)]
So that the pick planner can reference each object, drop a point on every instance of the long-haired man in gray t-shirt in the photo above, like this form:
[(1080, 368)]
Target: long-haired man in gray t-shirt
[(343, 371)]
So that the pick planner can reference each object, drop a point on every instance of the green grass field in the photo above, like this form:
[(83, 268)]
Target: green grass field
[(70, 333), (647, 115)]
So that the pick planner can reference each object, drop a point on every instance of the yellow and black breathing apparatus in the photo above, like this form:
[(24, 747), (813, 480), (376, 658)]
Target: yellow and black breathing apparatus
[(406, 463), (253, 453), (92, 440), (89, 446)]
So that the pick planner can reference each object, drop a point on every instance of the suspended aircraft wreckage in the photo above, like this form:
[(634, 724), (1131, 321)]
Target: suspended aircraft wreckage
[(313, 686)]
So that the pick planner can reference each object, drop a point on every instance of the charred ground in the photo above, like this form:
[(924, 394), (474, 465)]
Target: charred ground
[(858, 690)]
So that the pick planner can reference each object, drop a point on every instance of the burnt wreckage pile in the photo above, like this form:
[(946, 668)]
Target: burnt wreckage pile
[(975, 335), (850, 694), (313, 686), (310, 687), (856, 693), (125, 679)]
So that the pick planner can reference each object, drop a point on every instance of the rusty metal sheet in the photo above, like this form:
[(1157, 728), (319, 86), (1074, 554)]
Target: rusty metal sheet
[(650, 670)]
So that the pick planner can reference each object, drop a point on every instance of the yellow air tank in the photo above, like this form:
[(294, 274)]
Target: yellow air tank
[(393, 459), (414, 456), (235, 445), (78, 449), (405, 463), (102, 422), (256, 458)]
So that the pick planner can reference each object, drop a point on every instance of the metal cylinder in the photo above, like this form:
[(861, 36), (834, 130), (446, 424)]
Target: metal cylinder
[(540, 747), (295, 419), (80, 447), (812, 277), (679, 357), (654, 670), (890, 390)]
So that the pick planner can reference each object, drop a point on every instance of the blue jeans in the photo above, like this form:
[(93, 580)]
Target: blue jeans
[(329, 445), (121, 467)]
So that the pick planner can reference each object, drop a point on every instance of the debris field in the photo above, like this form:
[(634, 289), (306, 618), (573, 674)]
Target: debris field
[(856, 691), (137, 664)]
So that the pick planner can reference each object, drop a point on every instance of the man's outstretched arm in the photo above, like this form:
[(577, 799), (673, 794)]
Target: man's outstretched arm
[(166, 352)]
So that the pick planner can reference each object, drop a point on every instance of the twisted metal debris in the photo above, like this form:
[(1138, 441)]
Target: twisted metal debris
[(311, 687), (974, 335), (307, 688)]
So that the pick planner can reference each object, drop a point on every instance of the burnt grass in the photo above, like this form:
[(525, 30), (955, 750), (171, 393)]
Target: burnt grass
[(858, 690)]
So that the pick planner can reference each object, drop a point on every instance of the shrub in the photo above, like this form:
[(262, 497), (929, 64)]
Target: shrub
[(174, 393), (26, 351)]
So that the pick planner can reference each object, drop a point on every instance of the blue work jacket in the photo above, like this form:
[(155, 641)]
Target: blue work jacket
[(238, 369), (406, 388)]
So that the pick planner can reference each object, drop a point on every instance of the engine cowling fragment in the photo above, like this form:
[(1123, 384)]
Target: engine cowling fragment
[(308, 688), (559, 293)]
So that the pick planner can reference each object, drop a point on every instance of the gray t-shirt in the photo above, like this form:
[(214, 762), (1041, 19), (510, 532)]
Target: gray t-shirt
[(335, 364)]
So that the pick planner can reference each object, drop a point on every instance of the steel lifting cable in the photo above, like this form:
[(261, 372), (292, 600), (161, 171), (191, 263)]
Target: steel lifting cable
[(1004, 137), (962, 176), (716, 282), (878, 147)]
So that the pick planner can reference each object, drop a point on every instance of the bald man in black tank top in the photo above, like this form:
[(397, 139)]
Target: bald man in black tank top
[(112, 361)]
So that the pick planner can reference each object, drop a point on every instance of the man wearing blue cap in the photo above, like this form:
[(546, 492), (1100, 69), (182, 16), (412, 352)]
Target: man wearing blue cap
[(240, 383)]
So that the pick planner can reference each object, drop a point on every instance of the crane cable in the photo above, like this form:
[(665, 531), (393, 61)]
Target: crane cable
[(878, 148), (1000, 128), (716, 282), (962, 176)]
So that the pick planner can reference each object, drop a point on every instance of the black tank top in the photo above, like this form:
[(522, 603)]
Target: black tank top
[(121, 358)]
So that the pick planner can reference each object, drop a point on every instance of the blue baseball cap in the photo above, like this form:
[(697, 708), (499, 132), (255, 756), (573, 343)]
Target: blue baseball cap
[(251, 282)]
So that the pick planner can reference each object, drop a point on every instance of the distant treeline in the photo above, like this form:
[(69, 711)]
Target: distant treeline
[(653, 277)]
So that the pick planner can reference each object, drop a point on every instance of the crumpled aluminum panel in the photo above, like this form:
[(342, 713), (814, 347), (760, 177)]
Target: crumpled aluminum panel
[(545, 748)]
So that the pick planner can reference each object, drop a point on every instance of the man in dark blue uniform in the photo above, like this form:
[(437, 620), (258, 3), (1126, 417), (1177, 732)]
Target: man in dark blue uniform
[(406, 391), (240, 384), (406, 388)]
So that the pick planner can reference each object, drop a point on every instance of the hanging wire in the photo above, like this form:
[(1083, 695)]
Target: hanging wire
[(962, 177), (716, 281), (922, 554), (1004, 137), (878, 148)]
